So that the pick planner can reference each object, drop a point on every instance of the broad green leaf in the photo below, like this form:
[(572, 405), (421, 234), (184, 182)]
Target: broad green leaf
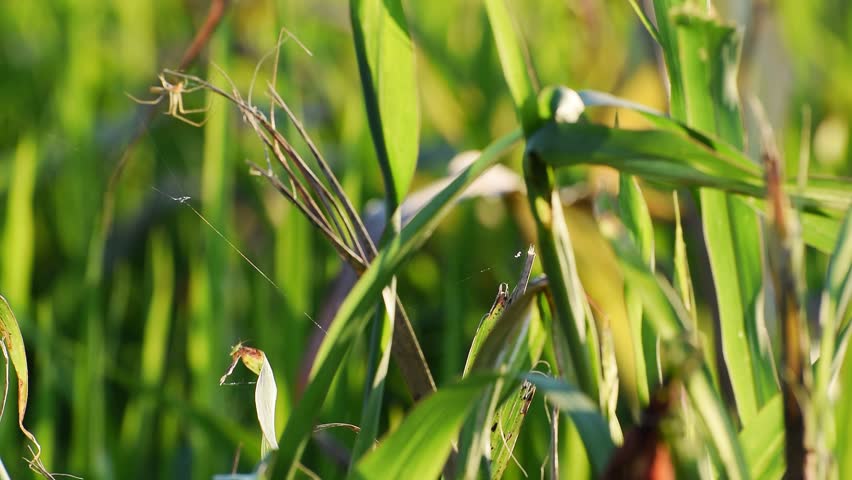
[(386, 64), (731, 230), (354, 312), (515, 70), (419, 447)]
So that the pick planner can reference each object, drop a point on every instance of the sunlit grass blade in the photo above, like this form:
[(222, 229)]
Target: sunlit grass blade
[(386, 63), (355, 309), (514, 67)]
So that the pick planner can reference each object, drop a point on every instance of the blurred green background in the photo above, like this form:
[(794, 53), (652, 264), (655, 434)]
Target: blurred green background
[(128, 331)]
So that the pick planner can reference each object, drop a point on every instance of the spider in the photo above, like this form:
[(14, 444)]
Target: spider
[(175, 92)]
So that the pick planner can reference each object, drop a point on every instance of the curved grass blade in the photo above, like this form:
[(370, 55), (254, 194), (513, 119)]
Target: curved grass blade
[(386, 63), (355, 309)]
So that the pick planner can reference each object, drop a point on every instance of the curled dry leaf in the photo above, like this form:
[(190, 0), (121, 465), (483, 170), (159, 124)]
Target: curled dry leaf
[(265, 393), (12, 346)]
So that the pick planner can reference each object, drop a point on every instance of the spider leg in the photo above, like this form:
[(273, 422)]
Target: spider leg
[(181, 112), (192, 89), (178, 112), (186, 120), (193, 110), (145, 102)]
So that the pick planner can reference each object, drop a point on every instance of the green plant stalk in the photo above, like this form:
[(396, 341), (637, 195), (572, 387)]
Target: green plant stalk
[(557, 258)]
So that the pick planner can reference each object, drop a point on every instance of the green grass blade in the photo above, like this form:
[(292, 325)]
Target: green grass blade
[(355, 309), (515, 353), (386, 63), (373, 407), (637, 220), (671, 321), (763, 441), (682, 277), (731, 230), (418, 448), (18, 240), (506, 427), (137, 424), (657, 155), (486, 325), (512, 61), (835, 311)]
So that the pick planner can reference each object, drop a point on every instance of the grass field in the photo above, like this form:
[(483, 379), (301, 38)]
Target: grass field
[(619, 246)]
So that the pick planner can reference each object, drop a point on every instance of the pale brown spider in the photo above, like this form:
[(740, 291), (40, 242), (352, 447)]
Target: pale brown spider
[(175, 92)]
